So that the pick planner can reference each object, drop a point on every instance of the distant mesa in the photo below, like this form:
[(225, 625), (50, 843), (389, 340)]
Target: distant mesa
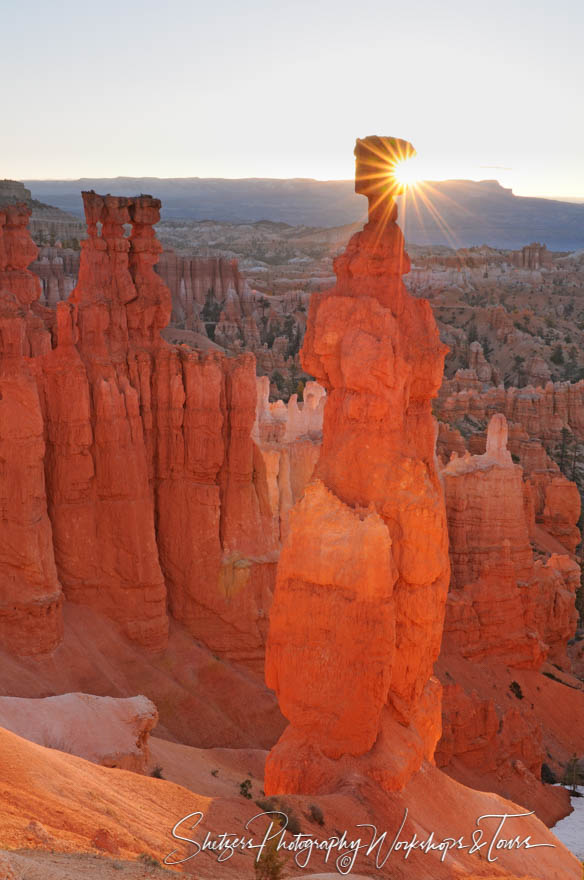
[(47, 223), (12, 191)]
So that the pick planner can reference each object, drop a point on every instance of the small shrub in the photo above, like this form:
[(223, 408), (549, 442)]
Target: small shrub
[(571, 774), (316, 814), (515, 688), (267, 804), (148, 860), (270, 865), (293, 825), (244, 788), (547, 775), (157, 772), (214, 772), (276, 803)]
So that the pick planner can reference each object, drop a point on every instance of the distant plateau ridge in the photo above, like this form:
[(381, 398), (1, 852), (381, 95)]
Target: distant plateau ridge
[(462, 213)]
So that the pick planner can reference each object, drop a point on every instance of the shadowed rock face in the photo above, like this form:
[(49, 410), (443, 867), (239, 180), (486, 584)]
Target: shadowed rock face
[(362, 580), (30, 592), (504, 606), (376, 160), (506, 611)]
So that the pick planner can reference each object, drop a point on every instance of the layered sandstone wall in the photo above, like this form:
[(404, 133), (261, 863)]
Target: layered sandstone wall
[(541, 411), (503, 604), (507, 610)]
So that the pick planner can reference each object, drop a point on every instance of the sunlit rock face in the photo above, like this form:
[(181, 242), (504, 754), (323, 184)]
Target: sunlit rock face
[(358, 608)]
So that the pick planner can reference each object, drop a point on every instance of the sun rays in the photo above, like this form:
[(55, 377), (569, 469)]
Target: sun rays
[(391, 175), (407, 172)]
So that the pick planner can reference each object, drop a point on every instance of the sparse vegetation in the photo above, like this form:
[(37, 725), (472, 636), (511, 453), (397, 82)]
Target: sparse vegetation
[(271, 863), (316, 814), (245, 788), (276, 803), (515, 689), (278, 380), (572, 774), (149, 860), (157, 772), (547, 775)]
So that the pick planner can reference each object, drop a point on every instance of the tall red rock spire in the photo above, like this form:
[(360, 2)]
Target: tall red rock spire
[(358, 609), (30, 594), (97, 398)]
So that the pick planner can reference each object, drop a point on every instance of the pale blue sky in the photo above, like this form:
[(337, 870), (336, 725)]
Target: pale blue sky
[(263, 89)]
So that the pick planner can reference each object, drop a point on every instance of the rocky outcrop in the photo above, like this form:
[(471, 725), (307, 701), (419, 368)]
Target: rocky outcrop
[(196, 282), (503, 604), (288, 438), (537, 371), (362, 579), (506, 610), (551, 500), (532, 256), (496, 732), (542, 412), (104, 730), (57, 268), (211, 299), (485, 373)]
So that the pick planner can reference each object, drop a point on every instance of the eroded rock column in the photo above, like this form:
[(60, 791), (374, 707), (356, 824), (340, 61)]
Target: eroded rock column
[(96, 388), (358, 609)]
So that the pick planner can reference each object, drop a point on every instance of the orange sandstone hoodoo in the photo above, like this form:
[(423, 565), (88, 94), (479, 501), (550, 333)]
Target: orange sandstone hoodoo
[(358, 609)]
